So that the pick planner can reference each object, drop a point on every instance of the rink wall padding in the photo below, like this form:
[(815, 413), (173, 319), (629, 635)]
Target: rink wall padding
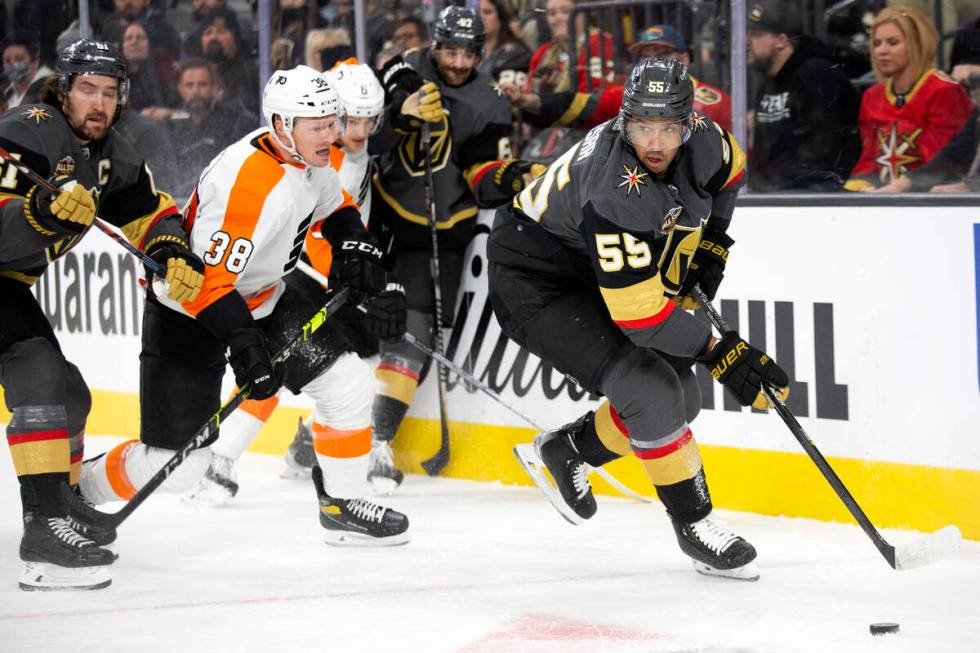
[(872, 310)]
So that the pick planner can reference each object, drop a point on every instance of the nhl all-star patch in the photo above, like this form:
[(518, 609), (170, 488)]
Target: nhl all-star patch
[(65, 167), (633, 179), (670, 219), (37, 113)]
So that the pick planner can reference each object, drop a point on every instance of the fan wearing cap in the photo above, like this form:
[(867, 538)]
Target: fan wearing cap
[(589, 268), (68, 138), (583, 110), (248, 219), (805, 136)]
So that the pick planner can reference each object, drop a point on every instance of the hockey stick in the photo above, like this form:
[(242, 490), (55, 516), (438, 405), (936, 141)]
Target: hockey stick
[(434, 465), (922, 551), (472, 380), (105, 520), (106, 229), (314, 274)]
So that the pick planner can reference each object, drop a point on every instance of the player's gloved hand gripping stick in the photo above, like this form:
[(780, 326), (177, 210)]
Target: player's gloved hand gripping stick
[(112, 520), (907, 556)]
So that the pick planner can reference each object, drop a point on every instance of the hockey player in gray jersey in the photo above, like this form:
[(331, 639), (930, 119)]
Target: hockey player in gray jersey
[(471, 168), (69, 137), (590, 269)]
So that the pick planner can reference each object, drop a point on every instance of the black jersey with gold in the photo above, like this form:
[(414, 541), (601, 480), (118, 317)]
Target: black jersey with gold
[(638, 233), (469, 146), (39, 136)]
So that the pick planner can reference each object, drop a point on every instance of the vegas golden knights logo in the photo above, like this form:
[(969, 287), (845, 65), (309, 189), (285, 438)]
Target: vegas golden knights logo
[(411, 150)]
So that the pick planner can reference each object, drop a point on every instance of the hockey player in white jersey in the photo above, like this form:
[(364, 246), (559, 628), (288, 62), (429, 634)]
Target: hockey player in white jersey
[(248, 219), (362, 100)]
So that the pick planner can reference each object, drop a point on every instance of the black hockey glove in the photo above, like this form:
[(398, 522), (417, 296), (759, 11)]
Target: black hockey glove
[(183, 270), (742, 369), (251, 363), (357, 265), (400, 81), (69, 210), (707, 267), (512, 177), (386, 314)]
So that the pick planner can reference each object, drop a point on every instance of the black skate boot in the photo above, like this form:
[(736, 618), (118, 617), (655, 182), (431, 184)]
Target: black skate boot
[(218, 487), (358, 522), (83, 517), (555, 450), (58, 558), (300, 456), (716, 550), (382, 473)]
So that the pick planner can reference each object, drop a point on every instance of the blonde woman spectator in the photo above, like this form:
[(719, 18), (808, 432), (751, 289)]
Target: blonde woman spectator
[(914, 109)]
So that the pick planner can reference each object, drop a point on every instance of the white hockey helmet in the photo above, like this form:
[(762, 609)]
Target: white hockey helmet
[(300, 92), (361, 94)]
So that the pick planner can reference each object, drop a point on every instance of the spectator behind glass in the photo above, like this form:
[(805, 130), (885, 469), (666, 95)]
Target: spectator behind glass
[(201, 8), (914, 109), (218, 39), (503, 53), (325, 47), (410, 33), (23, 70), (805, 136), (549, 72), (664, 41), (162, 34), (203, 127), (152, 77)]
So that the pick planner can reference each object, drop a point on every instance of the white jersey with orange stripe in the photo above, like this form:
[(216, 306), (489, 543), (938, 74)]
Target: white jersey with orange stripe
[(354, 169), (248, 219)]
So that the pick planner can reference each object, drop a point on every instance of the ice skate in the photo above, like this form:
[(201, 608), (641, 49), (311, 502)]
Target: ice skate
[(716, 550), (383, 475), (58, 558), (299, 457), (218, 487), (358, 522), (571, 492), (83, 517)]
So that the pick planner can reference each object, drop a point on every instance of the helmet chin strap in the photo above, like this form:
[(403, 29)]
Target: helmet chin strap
[(289, 148)]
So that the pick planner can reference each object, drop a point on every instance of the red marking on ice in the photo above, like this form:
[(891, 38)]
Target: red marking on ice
[(544, 628)]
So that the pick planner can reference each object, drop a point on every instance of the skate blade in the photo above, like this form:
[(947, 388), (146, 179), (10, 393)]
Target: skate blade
[(350, 539), (215, 497), (46, 577), (749, 572), (529, 459)]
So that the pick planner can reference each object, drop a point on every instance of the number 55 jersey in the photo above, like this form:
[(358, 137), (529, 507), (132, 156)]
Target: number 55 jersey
[(598, 217)]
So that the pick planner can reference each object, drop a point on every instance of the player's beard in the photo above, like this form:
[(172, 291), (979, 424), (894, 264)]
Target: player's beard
[(455, 76), (83, 129)]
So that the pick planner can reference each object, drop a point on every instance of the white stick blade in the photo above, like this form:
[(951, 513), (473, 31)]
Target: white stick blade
[(928, 549)]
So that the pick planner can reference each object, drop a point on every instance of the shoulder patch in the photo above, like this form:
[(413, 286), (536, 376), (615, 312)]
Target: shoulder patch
[(706, 95), (697, 121), (36, 113)]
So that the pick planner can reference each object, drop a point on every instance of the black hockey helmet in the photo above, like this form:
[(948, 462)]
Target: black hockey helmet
[(659, 89), (88, 57), (459, 27)]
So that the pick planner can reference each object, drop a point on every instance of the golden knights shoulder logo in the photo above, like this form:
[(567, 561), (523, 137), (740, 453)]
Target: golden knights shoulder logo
[(633, 179), (37, 114)]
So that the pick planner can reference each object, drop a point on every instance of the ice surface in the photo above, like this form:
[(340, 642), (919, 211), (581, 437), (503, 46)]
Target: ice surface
[(490, 569)]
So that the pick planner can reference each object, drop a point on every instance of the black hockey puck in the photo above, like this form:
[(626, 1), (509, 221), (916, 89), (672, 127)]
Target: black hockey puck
[(884, 629)]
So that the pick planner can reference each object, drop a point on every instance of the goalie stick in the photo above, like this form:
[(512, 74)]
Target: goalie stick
[(103, 520), (925, 550)]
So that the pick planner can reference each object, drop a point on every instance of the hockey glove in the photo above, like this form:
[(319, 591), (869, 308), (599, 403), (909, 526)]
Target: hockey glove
[(742, 369), (70, 210), (512, 177), (424, 104), (357, 265), (183, 270), (707, 267), (386, 314), (251, 363), (399, 80)]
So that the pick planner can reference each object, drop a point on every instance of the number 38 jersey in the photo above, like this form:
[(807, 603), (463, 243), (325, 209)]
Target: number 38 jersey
[(636, 233), (248, 219)]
